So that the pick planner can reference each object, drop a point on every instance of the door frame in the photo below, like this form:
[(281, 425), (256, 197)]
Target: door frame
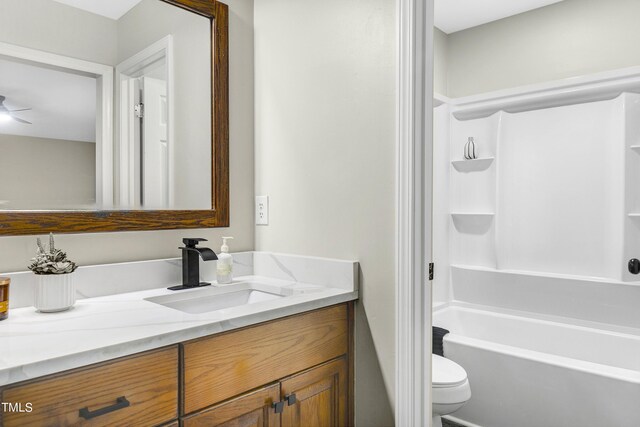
[(104, 108), (127, 166), (414, 150)]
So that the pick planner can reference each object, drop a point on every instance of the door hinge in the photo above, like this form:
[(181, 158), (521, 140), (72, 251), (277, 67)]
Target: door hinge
[(430, 271), (139, 110)]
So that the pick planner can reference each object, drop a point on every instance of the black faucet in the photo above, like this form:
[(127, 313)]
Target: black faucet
[(191, 263)]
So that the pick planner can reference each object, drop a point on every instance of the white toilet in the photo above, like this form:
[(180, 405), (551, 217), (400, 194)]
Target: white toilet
[(450, 388)]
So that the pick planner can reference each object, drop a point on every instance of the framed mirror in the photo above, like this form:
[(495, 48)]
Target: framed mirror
[(114, 115)]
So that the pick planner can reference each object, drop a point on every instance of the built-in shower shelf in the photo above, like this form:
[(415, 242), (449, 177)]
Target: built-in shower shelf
[(472, 214), (472, 222), (480, 164), (533, 273)]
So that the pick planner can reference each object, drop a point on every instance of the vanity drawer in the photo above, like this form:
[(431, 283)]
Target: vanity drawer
[(137, 390), (226, 365)]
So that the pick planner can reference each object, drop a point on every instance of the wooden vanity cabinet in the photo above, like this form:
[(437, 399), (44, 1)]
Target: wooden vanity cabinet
[(290, 372), (219, 367), (314, 398)]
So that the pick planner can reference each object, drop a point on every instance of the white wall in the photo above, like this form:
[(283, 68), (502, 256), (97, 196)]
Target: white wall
[(566, 39), (325, 155), (98, 248)]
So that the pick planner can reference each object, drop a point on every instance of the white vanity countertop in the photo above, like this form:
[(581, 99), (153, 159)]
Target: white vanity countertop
[(106, 327), (97, 329)]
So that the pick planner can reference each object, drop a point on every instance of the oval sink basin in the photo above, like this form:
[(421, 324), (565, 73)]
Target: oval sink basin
[(218, 298)]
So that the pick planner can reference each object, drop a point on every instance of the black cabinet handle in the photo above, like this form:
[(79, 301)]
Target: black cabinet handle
[(121, 403), (278, 407), (291, 399), (634, 266)]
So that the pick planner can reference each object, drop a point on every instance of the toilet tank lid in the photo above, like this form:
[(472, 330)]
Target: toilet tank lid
[(446, 373)]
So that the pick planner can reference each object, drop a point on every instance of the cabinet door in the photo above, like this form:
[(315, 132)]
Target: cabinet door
[(317, 397), (249, 410)]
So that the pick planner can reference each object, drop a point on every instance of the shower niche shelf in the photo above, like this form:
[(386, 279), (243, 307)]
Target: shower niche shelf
[(472, 215), (474, 165), (472, 223)]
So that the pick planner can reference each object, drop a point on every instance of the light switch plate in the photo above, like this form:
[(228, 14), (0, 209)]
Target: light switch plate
[(262, 210)]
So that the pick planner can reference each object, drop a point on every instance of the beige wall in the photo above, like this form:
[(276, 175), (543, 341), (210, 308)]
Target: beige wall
[(98, 248), (44, 25), (440, 62), (43, 173), (566, 39), (325, 155)]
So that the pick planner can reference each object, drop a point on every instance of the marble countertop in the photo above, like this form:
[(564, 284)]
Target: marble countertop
[(106, 327)]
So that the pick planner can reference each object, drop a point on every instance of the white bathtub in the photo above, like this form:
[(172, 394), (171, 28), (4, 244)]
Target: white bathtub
[(543, 372)]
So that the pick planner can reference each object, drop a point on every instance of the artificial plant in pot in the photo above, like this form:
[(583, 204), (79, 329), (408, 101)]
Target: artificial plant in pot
[(55, 288)]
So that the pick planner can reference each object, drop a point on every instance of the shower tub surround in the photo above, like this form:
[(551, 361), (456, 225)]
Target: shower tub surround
[(531, 370), (536, 234), (540, 350), (112, 317)]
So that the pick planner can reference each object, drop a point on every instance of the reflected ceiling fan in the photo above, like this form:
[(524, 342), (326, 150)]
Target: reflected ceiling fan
[(5, 113)]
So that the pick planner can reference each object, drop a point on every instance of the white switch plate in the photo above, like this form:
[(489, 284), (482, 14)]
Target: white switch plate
[(262, 210)]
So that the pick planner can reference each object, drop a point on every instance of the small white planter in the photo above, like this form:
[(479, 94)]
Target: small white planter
[(54, 292)]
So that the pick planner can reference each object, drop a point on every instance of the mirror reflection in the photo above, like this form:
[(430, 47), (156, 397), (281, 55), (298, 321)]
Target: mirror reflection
[(104, 105)]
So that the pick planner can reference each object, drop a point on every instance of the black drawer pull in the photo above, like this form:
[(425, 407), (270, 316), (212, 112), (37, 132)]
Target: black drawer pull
[(291, 399), (278, 407), (121, 403)]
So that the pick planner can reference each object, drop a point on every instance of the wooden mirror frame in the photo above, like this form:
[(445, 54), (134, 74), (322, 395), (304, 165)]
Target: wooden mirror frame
[(14, 223)]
